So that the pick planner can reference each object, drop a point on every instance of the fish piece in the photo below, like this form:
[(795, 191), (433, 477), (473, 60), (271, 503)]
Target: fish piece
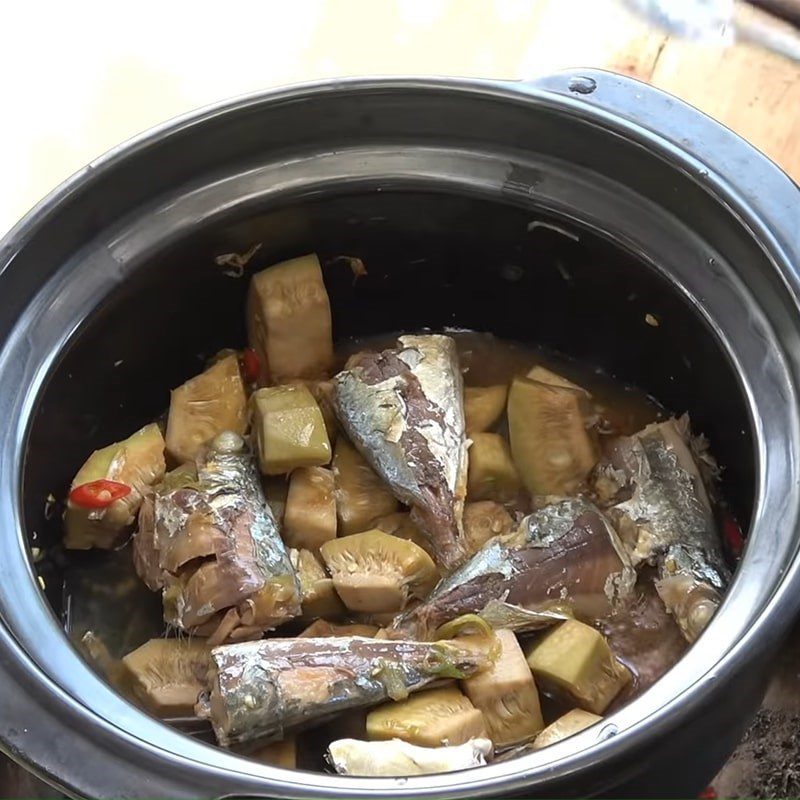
[(261, 689), (404, 410), (398, 758), (666, 519), (211, 544), (565, 554)]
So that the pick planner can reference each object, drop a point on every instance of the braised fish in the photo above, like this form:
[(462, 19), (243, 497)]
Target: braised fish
[(563, 556), (664, 517), (208, 540), (258, 690), (404, 410)]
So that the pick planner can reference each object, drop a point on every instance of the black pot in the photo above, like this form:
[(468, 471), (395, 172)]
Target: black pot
[(111, 295)]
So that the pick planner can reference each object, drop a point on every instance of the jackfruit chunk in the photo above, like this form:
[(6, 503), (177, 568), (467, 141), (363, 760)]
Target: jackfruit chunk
[(483, 406), (317, 592), (492, 475), (483, 521), (289, 321), (276, 754), (167, 675), (210, 403), (398, 758), (571, 723), (361, 496), (401, 525), (575, 660), (321, 629), (506, 694), (137, 462), (550, 445), (375, 572), (289, 429), (431, 718), (310, 515)]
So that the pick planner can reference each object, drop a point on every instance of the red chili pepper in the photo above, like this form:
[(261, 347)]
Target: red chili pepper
[(732, 534), (251, 367), (99, 494), (709, 793)]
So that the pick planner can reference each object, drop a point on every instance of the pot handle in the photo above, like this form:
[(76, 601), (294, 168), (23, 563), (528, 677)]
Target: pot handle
[(722, 156)]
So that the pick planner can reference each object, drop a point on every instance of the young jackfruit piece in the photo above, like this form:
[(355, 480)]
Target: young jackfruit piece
[(574, 660), (137, 462), (401, 525), (361, 496), (483, 406), (276, 493), (483, 521), (289, 321), (276, 754), (492, 474), (322, 628), (375, 572), (507, 695), (310, 514), (431, 718), (167, 675), (317, 593), (571, 723), (289, 430), (398, 758), (550, 445), (210, 403)]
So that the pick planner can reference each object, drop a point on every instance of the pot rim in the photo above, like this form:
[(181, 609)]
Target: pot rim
[(563, 759)]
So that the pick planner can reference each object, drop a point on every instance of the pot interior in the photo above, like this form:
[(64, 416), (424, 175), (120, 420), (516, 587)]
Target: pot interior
[(434, 260)]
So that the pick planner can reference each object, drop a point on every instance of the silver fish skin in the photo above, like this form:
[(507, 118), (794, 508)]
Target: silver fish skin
[(404, 410), (667, 520), (258, 690), (564, 558), (219, 517)]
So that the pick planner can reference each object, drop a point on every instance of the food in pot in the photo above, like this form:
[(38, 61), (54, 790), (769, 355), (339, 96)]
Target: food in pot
[(483, 406), (107, 491), (204, 407), (259, 690), (432, 718), (397, 758), (211, 545), (289, 321), (375, 572), (404, 410), (361, 496), (444, 575), (547, 425), (309, 518), (288, 429)]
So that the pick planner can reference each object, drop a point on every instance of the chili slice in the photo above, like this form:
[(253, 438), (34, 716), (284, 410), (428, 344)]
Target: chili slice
[(250, 365), (99, 494)]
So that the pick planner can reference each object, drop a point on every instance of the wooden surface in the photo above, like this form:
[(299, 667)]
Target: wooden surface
[(752, 91)]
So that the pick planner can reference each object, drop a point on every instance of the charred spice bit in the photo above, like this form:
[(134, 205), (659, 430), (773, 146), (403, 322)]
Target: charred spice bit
[(732, 535), (708, 793), (99, 494)]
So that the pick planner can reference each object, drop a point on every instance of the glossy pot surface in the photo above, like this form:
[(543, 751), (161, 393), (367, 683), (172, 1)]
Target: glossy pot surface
[(563, 213)]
